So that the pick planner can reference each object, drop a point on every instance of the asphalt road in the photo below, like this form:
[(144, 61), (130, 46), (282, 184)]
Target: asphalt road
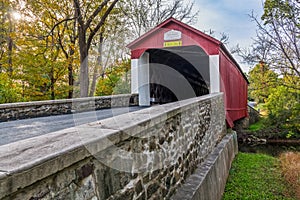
[(13, 131)]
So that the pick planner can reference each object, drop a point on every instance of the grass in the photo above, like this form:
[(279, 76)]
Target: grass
[(256, 177), (290, 165), (257, 126), (263, 129)]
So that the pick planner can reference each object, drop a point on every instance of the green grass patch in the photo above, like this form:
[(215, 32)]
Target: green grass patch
[(257, 126), (256, 177)]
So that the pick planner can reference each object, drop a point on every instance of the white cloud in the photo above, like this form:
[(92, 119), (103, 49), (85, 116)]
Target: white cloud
[(230, 17), (242, 5)]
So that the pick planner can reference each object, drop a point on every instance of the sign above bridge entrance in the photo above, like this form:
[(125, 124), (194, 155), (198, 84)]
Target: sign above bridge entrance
[(173, 44), (172, 35)]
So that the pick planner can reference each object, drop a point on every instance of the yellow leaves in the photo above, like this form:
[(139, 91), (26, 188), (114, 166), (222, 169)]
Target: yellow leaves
[(114, 81), (10, 90)]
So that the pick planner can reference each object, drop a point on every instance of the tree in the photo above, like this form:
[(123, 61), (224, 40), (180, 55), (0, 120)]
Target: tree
[(109, 45), (277, 46), (6, 37), (115, 80), (10, 91), (144, 15), (41, 64), (3, 33), (282, 26), (222, 36), (262, 81), (67, 35), (278, 37), (283, 107), (88, 26)]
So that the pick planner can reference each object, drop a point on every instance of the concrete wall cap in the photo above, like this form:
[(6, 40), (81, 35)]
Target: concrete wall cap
[(61, 101)]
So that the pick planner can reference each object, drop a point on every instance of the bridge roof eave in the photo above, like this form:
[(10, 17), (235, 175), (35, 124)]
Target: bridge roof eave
[(138, 46)]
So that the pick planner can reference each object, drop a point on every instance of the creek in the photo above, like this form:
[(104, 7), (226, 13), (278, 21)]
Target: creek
[(269, 149)]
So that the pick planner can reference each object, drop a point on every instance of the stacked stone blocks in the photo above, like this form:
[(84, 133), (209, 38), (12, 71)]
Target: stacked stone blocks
[(150, 158)]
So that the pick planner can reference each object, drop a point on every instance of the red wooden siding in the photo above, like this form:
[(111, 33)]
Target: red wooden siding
[(234, 86)]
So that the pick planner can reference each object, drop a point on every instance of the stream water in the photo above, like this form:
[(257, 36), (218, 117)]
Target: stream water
[(270, 149)]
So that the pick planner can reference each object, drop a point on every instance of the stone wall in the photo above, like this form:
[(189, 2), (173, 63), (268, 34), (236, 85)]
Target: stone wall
[(209, 180), (147, 154), (25, 110), (253, 115), (245, 122)]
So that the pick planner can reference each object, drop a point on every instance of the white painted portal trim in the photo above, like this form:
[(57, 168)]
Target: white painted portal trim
[(134, 76), (144, 80), (214, 73)]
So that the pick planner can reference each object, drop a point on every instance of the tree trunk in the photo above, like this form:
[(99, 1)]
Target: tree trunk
[(10, 46), (85, 40), (71, 80), (98, 67), (84, 67), (52, 84), (84, 71), (70, 73), (70, 66)]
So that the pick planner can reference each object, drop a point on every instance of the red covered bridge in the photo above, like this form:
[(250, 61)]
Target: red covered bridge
[(174, 61)]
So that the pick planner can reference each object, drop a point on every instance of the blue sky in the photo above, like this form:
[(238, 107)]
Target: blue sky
[(230, 17)]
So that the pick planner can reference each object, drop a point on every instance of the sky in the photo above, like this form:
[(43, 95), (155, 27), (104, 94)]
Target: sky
[(232, 18)]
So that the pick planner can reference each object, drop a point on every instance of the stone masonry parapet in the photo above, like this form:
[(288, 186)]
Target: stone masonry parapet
[(146, 154), (24, 110)]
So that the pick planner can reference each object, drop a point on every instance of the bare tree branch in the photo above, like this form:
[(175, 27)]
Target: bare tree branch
[(102, 21), (95, 13)]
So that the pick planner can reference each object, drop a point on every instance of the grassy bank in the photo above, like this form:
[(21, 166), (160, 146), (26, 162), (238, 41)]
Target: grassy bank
[(256, 177)]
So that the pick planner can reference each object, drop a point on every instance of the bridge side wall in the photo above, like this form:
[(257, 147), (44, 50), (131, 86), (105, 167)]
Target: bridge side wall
[(209, 180), (24, 110), (146, 154), (253, 115)]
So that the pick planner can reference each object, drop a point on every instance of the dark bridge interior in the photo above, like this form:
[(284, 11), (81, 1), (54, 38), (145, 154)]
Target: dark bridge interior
[(178, 73)]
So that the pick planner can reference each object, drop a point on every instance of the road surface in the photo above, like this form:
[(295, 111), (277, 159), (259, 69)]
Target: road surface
[(13, 131)]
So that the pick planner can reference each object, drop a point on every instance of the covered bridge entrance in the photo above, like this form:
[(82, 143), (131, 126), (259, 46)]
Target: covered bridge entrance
[(175, 61), (177, 73)]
